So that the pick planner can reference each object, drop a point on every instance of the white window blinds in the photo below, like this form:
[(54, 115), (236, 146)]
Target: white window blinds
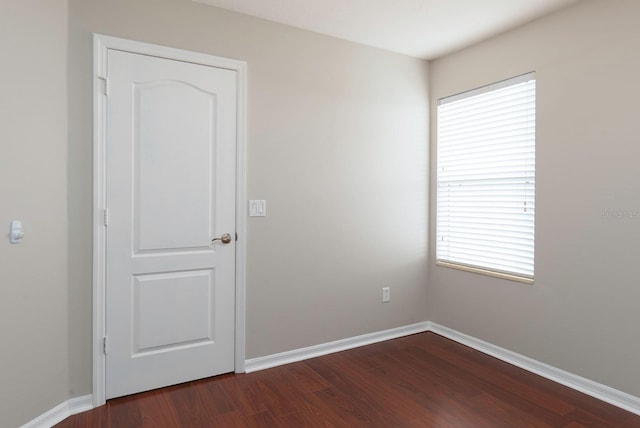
[(486, 179)]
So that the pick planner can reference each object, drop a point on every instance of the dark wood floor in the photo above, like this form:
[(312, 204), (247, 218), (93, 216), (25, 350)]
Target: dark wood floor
[(422, 380)]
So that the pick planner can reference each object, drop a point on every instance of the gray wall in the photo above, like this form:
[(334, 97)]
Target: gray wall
[(338, 146), (33, 162), (581, 314)]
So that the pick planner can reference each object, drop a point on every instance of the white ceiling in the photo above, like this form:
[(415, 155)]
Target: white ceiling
[(420, 28)]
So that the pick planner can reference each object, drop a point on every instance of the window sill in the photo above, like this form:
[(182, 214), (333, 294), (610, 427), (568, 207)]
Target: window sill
[(501, 275)]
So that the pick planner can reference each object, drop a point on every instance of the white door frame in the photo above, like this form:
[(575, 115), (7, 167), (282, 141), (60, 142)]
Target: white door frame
[(101, 44)]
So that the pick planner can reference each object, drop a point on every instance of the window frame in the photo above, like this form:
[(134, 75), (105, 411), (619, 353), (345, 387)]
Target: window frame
[(480, 269)]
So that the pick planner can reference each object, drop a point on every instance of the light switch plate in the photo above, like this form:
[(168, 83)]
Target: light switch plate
[(257, 208)]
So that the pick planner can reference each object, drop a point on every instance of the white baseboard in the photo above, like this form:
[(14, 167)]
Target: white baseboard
[(261, 363), (61, 412), (597, 390)]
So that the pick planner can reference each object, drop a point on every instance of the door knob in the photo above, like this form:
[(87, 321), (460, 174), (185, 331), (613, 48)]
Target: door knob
[(225, 238)]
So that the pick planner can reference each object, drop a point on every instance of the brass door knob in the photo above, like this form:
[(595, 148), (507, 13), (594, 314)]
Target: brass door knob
[(225, 238)]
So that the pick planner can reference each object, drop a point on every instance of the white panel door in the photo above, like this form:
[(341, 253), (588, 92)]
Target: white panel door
[(170, 162)]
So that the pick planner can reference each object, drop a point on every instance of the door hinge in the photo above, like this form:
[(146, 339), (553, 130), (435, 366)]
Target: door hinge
[(104, 345), (105, 217), (105, 85)]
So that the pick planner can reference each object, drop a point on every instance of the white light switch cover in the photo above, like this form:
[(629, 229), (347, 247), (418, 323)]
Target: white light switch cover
[(257, 208)]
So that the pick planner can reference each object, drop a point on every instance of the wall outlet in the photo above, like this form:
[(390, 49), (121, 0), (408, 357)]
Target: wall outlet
[(386, 294)]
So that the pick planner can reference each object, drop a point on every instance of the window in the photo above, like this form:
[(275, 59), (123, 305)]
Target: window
[(486, 179)]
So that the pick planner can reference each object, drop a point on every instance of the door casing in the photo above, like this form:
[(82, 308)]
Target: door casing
[(101, 45)]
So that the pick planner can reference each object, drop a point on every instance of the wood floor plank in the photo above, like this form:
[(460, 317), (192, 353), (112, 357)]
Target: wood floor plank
[(387, 374), (305, 378), (196, 404), (339, 403), (232, 419), (243, 393), (313, 414), (125, 412), (284, 387), (276, 402), (423, 380), (388, 378), (430, 375), (495, 384), (372, 397), (157, 412), (216, 398), (511, 415), (379, 383), (262, 419), (435, 401), (509, 383), (437, 389)]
